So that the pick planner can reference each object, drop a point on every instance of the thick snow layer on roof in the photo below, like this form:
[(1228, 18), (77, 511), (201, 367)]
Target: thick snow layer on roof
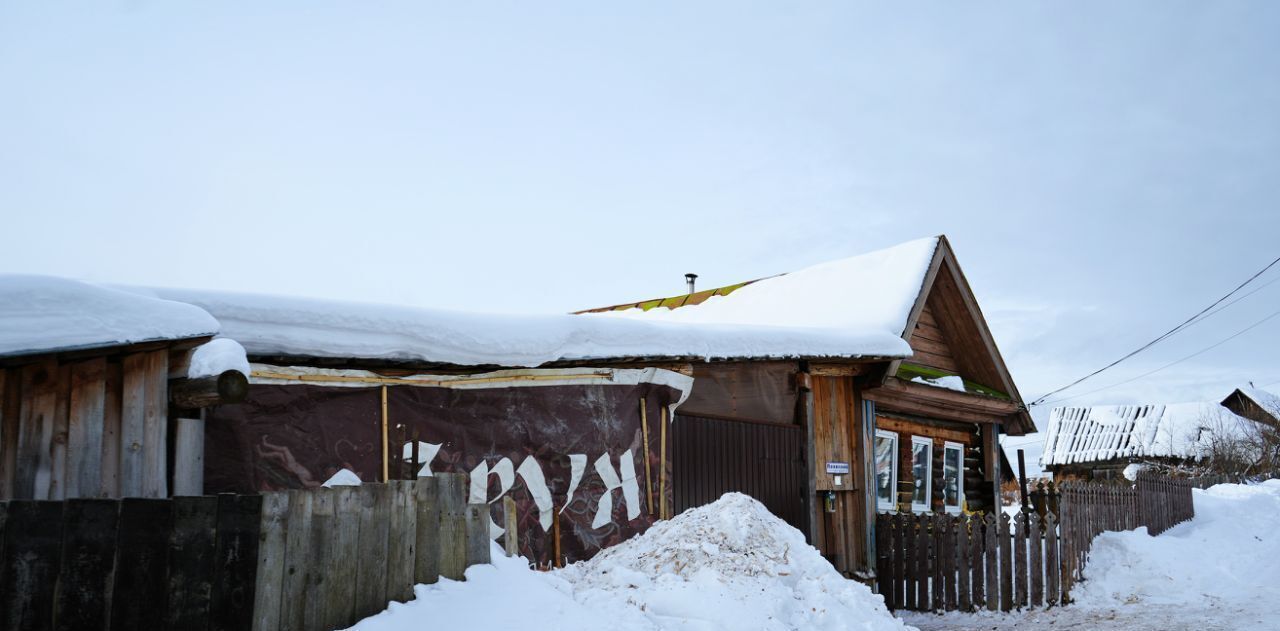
[(1106, 432), (216, 357), (869, 293), (41, 314), (274, 325), (1266, 400)]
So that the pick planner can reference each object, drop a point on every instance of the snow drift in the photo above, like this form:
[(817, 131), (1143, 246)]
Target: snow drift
[(729, 565)]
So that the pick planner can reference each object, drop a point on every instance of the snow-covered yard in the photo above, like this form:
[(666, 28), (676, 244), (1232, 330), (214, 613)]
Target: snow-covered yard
[(1218, 571)]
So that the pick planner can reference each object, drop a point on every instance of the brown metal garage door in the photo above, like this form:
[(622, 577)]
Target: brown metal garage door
[(711, 457)]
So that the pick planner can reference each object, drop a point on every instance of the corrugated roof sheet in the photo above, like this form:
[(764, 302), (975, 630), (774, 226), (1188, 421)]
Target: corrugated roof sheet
[(1109, 432)]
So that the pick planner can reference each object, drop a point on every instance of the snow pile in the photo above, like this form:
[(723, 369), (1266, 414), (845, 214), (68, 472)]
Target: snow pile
[(344, 477), (1225, 557), (871, 292), (1104, 432), (726, 566), (216, 357), (40, 314), (950, 382), (279, 325)]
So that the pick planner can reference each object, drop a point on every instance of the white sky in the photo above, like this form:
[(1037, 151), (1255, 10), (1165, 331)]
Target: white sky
[(1103, 171)]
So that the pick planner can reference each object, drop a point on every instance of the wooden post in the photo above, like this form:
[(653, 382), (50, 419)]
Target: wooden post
[(188, 456), (644, 432), (662, 469), (428, 529), (991, 462), (386, 446), (10, 410), (511, 538), (402, 550), (556, 560)]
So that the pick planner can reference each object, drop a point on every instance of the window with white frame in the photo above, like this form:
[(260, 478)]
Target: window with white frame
[(922, 473), (952, 477), (886, 455)]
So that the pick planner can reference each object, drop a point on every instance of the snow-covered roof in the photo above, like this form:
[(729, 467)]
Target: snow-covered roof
[(43, 314), (303, 327), (1107, 432), (869, 293)]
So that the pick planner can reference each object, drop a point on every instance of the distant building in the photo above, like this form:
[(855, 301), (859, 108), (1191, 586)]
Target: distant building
[(1101, 441), (1254, 404)]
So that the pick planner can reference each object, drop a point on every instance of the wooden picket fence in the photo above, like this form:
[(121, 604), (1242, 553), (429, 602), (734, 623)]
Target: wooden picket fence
[(971, 562), (301, 560), (1089, 509)]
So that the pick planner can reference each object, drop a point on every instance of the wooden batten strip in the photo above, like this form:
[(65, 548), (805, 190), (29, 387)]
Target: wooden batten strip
[(644, 432), (386, 446)]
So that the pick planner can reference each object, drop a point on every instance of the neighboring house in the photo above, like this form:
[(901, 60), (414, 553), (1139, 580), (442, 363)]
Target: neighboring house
[(1255, 404), (1100, 442), (93, 384), (914, 432)]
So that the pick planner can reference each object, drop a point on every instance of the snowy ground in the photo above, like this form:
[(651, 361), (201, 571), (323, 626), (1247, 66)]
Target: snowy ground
[(727, 566), (1219, 571)]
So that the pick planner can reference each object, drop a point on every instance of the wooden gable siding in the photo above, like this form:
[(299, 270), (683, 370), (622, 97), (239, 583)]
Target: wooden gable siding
[(953, 316), (929, 344), (836, 423)]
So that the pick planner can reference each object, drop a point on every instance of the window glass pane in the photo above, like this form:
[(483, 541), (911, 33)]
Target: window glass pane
[(920, 461), (885, 452), (951, 465)]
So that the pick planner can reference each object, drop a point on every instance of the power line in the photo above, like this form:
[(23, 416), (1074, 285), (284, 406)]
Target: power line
[(1175, 362), (1165, 335)]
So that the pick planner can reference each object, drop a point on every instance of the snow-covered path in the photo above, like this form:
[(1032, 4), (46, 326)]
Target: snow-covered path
[(1219, 571)]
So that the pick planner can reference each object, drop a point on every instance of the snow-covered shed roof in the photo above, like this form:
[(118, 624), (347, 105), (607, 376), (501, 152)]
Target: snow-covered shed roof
[(1265, 400), (43, 314), (885, 284), (303, 327), (1108, 432)]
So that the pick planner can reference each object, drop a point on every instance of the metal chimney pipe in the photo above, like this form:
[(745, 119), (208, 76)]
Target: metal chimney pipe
[(690, 278)]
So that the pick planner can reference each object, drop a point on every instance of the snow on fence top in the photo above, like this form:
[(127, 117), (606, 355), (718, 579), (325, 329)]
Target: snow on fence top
[(302, 327), (43, 314), (872, 292), (1108, 432)]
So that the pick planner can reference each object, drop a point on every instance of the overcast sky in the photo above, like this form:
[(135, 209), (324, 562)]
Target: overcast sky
[(1104, 170)]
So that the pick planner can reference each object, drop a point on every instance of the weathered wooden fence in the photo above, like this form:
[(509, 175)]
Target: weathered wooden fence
[(1089, 509), (315, 559), (958, 562)]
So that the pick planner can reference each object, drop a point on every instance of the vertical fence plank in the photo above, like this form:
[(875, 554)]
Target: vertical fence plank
[(1053, 569), (88, 554), (909, 572), (964, 547), (268, 595), (35, 430), (84, 427), (235, 562), (192, 544), (109, 485), (340, 595), (32, 555), (939, 552), (427, 563), (949, 553), (371, 554), (976, 566), (883, 555), (1006, 564), (1021, 574), (922, 562), (1035, 539), (991, 560), (10, 410), (900, 545), (132, 421), (57, 474), (452, 539), (140, 596), (299, 564), (402, 541), (155, 425), (478, 549)]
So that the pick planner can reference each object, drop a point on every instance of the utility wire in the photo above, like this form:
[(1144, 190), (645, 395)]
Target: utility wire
[(1165, 335), (1175, 362)]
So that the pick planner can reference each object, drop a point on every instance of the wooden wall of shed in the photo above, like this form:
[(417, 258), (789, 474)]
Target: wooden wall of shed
[(85, 427)]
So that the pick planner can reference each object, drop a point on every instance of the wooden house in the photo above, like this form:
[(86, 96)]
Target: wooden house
[(93, 383), (1255, 404), (1105, 441), (826, 442)]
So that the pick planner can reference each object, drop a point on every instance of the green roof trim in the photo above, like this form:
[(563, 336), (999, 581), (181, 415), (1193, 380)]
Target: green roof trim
[(907, 372)]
